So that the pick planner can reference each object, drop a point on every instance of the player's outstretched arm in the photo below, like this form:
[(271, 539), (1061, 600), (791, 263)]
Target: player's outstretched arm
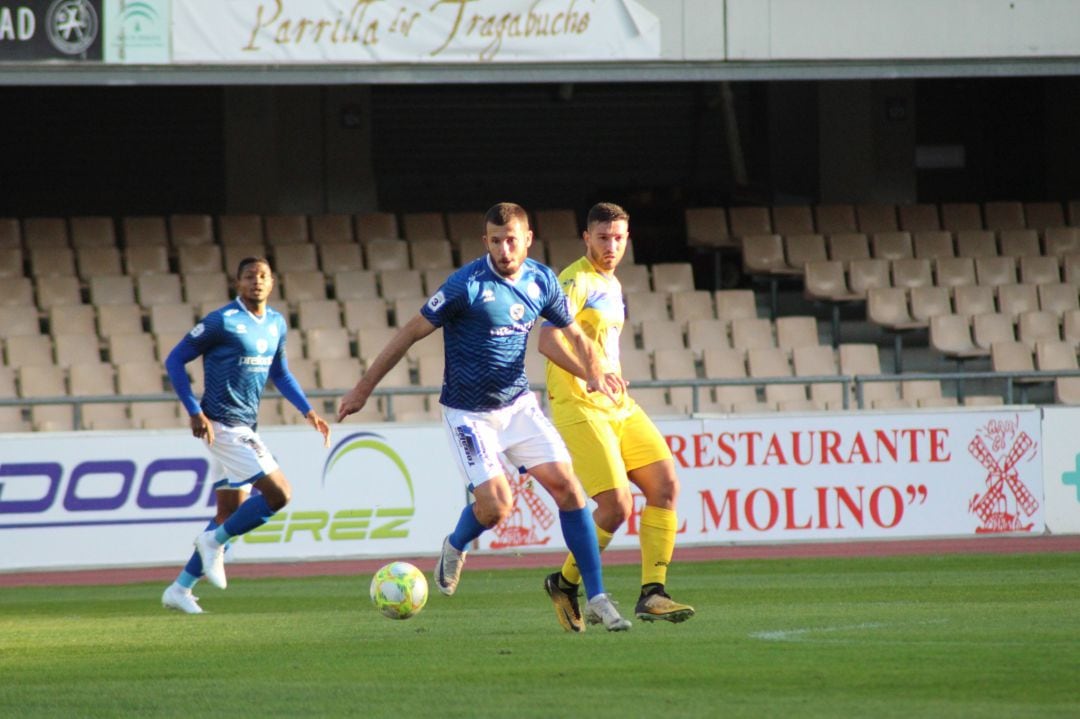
[(557, 350), (414, 330)]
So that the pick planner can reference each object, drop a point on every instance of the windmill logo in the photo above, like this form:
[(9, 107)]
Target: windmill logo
[(527, 525), (1007, 501)]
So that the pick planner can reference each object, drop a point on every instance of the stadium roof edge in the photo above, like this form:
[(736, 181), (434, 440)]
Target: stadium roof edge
[(13, 74)]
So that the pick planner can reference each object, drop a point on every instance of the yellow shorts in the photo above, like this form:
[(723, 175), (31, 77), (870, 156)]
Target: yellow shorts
[(604, 451)]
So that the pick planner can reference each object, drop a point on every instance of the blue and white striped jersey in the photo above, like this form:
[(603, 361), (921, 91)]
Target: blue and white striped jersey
[(486, 320)]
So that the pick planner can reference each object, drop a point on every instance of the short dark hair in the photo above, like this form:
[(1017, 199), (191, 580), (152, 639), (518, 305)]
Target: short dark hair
[(606, 212), (503, 213), (250, 261)]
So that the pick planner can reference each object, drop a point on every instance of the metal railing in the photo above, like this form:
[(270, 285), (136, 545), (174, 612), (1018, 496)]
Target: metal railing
[(1014, 387)]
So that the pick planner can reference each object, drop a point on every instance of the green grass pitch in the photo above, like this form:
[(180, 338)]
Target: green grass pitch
[(941, 636)]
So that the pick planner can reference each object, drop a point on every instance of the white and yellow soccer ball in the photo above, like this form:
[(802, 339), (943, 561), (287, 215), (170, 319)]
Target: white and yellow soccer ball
[(399, 590)]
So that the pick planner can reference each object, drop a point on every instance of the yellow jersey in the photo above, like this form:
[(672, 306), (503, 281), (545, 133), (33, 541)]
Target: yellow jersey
[(595, 300)]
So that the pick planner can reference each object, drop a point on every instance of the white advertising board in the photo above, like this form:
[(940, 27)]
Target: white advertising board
[(823, 477), (139, 498), (1061, 469), (412, 31)]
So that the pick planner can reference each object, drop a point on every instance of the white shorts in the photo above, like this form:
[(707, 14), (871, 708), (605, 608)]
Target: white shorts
[(520, 431), (238, 457)]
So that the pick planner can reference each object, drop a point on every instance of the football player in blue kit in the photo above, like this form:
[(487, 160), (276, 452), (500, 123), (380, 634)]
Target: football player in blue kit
[(242, 344), (486, 310)]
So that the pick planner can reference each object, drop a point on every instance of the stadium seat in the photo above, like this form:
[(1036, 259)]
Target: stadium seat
[(318, 314), (130, 348), (646, 306), (52, 261), (792, 220), (46, 381), (163, 289), (1034, 327), (1012, 356), (751, 333), (764, 255), (1059, 297), (340, 256), (872, 218), (200, 287), (199, 258), (45, 232), (927, 302), (394, 283), (355, 285), (1043, 215), (959, 216), (796, 331), (863, 359), (735, 304), (240, 229), (676, 363), (1004, 216), (1070, 267), (140, 378), (19, 292), (1070, 327), (175, 319), (661, 334), (563, 252), (112, 290), (92, 232), (1060, 241), (327, 343), (1040, 270), (11, 262), (285, 229), (990, 327), (370, 341), (426, 254), (911, 272), (364, 313), (1014, 299), (370, 226), (976, 243), (744, 221), (951, 336), (819, 361), (463, 230), (296, 257), (707, 227), (146, 259), (76, 348), (703, 334), (1019, 243), (995, 271), (558, 224), (142, 231), (971, 300), (728, 364), (827, 281), (891, 245), (867, 274), (73, 319), (433, 279), (339, 373), (888, 307), (919, 218), (769, 362), (423, 226), (300, 286), (191, 230), (848, 246), (430, 345), (332, 229), (954, 271), (801, 249), (634, 278), (932, 244), (1051, 356), (835, 219), (387, 254), (403, 309), (692, 305), (18, 320), (28, 350), (119, 319), (10, 233)]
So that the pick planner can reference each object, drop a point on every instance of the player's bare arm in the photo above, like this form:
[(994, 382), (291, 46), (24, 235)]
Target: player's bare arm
[(558, 352), (320, 425), (414, 330), (595, 379)]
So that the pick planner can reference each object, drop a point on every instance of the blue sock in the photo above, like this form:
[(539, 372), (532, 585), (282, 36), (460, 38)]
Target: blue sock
[(580, 536), (193, 569), (468, 528), (254, 512)]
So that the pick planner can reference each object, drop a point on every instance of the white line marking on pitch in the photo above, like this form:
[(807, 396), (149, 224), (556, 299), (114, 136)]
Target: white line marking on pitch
[(798, 635)]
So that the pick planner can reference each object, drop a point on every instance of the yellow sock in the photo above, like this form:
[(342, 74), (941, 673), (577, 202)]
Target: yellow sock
[(569, 567), (658, 527)]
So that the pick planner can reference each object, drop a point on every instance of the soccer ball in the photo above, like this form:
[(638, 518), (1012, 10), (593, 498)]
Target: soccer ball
[(399, 590)]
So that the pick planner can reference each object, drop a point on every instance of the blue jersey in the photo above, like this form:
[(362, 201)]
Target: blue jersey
[(486, 320), (239, 352)]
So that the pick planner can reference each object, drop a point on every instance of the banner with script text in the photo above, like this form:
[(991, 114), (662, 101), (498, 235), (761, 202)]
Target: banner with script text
[(412, 31), (820, 477)]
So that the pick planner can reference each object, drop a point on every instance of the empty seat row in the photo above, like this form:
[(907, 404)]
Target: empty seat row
[(720, 226), (961, 337)]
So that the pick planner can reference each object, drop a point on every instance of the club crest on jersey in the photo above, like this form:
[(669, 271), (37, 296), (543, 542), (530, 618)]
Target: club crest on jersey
[(533, 290), (261, 345), (517, 311)]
